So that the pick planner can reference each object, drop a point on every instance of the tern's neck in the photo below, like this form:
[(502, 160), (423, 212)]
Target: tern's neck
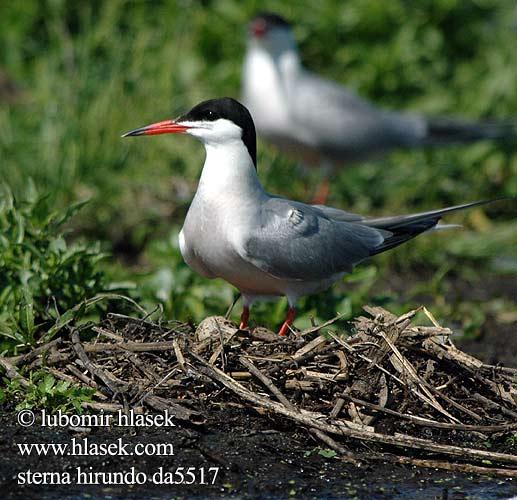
[(229, 170), (285, 62), (267, 82)]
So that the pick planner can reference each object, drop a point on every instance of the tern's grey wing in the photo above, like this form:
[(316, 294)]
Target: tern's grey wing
[(300, 242), (406, 227), (339, 122), (339, 215)]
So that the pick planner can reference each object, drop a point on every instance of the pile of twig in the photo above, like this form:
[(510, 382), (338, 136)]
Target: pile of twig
[(389, 377)]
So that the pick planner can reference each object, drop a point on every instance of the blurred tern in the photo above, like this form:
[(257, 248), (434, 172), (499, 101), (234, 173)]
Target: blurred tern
[(320, 122), (264, 245)]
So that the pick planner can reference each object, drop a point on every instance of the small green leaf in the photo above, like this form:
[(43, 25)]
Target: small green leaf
[(46, 385), (27, 312), (327, 453)]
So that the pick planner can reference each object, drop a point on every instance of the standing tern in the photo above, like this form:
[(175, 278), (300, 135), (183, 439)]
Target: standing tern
[(320, 122), (264, 245)]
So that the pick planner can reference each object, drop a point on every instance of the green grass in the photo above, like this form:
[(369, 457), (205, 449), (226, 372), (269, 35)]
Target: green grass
[(85, 72)]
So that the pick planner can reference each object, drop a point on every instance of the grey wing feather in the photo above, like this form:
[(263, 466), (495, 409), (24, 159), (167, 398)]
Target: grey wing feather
[(338, 214), (300, 242), (406, 227)]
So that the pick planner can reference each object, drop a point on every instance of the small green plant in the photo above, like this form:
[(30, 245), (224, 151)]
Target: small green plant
[(324, 452), (46, 392), (44, 279), (512, 440)]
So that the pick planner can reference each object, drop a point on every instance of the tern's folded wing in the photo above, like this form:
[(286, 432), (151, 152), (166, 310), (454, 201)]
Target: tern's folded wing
[(299, 242)]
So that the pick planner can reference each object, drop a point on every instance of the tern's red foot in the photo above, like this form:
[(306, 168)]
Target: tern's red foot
[(288, 321), (244, 317)]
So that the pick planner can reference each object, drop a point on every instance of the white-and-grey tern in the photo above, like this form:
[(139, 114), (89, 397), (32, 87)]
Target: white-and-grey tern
[(323, 123), (264, 245)]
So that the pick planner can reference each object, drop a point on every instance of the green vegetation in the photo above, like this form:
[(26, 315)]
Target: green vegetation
[(76, 75), (45, 281), (45, 392)]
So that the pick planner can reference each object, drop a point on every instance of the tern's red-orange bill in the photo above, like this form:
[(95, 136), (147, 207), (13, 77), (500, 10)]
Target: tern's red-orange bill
[(164, 127)]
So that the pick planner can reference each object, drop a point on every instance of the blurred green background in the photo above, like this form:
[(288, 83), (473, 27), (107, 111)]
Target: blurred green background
[(75, 75)]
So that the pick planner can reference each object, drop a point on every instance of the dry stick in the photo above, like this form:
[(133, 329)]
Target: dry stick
[(22, 359), (136, 321), (151, 375), (108, 333), (433, 423), (159, 383), (451, 466), (114, 385), (60, 375), (493, 404), (319, 327), (13, 374), (179, 411), (426, 332), (81, 376), (179, 355), (267, 382), (232, 305), (298, 358), (109, 407), (130, 346), (340, 427), (343, 361), (264, 334), (241, 375), (278, 394), (311, 374), (311, 346), (338, 406), (346, 455), (54, 358), (305, 353), (506, 370)]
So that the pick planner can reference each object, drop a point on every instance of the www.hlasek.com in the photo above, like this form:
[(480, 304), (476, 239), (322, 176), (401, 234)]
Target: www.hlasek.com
[(84, 447)]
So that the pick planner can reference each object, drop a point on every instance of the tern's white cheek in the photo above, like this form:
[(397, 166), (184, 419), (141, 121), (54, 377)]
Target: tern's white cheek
[(218, 131), (226, 130)]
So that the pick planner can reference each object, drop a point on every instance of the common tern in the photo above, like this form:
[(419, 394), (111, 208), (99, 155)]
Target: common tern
[(321, 122), (264, 245)]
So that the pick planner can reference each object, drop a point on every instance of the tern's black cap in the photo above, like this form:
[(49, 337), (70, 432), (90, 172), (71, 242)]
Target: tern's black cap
[(229, 109), (271, 19)]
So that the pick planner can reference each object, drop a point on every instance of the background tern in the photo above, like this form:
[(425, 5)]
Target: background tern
[(320, 122), (264, 245)]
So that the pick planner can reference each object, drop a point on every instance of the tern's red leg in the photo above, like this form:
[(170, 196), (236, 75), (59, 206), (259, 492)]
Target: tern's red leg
[(288, 321), (322, 193), (244, 317)]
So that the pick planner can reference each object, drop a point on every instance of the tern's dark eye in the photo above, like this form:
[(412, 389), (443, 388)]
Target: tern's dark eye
[(211, 115)]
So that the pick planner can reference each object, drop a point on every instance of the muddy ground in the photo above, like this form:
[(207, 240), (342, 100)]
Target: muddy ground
[(258, 456)]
